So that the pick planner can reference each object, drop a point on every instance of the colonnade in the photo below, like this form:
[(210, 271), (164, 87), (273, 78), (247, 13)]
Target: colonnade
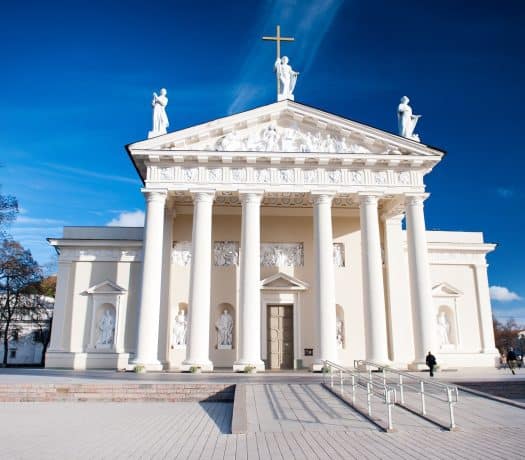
[(249, 344)]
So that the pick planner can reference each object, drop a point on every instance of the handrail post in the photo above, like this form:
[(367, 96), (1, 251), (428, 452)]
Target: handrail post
[(331, 377), (451, 409), (401, 389), (342, 379), (369, 398), (389, 403), (353, 389), (423, 408), (384, 376)]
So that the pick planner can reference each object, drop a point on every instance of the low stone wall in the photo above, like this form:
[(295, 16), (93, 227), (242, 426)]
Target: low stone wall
[(118, 392)]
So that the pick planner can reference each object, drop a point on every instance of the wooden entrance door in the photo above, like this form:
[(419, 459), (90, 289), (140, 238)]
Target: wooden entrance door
[(280, 336)]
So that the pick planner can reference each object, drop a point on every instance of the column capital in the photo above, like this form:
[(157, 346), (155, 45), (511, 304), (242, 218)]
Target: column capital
[(415, 199), (322, 197), (154, 195), (203, 195), (369, 198), (251, 196)]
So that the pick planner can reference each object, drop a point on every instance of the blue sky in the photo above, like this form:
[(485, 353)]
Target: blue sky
[(77, 78)]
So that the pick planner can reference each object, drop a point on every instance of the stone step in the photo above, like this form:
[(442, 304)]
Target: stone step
[(503, 389), (118, 392)]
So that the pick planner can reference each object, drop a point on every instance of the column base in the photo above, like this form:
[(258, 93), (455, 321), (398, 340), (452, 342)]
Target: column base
[(239, 366), (148, 366), (205, 366), (317, 367)]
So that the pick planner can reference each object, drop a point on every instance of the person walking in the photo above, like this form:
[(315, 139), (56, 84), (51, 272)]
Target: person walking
[(511, 360), (431, 363)]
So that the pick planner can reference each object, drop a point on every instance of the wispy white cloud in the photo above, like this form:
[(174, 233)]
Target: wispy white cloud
[(503, 294), (90, 173), (315, 19), (38, 221), (128, 219)]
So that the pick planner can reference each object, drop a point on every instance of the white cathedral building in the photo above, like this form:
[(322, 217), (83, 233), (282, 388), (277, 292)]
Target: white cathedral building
[(274, 238)]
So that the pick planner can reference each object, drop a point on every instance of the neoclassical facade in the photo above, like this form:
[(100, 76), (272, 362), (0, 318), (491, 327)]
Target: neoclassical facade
[(274, 238)]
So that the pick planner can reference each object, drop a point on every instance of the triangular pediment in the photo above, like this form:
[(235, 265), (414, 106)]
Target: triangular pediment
[(283, 282), (445, 290), (287, 127), (106, 287)]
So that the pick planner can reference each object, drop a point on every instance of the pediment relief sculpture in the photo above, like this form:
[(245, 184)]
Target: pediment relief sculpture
[(276, 139)]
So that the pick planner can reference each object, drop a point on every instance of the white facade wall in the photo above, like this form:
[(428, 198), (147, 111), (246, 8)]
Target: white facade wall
[(453, 258)]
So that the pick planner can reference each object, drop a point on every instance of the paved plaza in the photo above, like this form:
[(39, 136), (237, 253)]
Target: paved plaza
[(289, 416)]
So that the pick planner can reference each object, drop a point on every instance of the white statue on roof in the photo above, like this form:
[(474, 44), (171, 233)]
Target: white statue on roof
[(160, 118), (406, 121), (287, 78)]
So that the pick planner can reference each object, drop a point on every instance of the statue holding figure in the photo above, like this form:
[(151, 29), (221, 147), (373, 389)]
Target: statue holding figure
[(287, 79), (160, 119), (406, 121), (443, 328), (106, 328), (179, 330), (224, 327)]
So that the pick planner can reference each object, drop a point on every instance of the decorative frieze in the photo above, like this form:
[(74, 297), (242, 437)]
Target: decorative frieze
[(181, 253), (215, 175), (238, 175), (225, 253), (100, 254), (278, 176), (282, 254), (276, 139)]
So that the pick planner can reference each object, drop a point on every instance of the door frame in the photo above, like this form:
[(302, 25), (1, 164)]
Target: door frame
[(282, 298)]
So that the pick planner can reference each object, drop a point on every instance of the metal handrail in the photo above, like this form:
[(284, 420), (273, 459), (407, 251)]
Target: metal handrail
[(446, 393), (383, 391)]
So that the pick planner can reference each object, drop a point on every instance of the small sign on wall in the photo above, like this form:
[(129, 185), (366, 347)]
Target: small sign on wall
[(308, 352)]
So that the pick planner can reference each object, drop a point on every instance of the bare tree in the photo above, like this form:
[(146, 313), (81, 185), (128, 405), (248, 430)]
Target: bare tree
[(20, 277), (8, 212), (506, 334)]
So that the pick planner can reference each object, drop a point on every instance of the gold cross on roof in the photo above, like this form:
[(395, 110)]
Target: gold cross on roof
[(278, 39)]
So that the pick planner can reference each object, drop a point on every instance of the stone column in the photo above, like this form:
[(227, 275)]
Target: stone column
[(149, 307), (373, 287), (420, 286), (485, 310), (198, 345), (249, 283), (56, 343), (324, 279)]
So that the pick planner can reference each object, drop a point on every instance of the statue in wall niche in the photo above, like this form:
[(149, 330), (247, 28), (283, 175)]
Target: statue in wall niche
[(106, 328), (406, 121), (160, 118), (179, 329), (339, 333), (443, 328), (287, 78), (224, 327)]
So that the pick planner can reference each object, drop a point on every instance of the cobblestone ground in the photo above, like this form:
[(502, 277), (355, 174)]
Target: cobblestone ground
[(285, 422)]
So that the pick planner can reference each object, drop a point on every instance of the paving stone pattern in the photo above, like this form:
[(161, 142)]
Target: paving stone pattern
[(287, 421)]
